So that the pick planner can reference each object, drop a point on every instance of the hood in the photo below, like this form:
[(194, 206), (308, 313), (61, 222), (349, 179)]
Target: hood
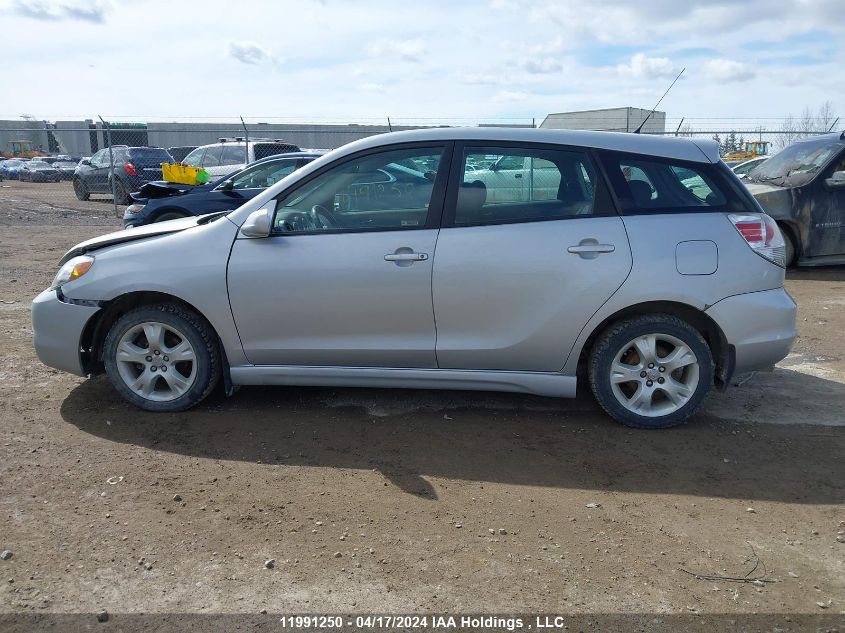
[(138, 233), (760, 187), (164, 189)]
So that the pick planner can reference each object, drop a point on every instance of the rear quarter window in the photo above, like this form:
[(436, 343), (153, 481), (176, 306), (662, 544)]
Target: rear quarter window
[(647, 184), (263, 150)]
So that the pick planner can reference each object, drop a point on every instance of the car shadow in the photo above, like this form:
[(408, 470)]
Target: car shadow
[(821, 273), (414, 436)]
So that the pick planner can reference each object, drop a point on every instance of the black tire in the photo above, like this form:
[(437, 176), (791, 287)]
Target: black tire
[(170, 215), (121, 196), (81, 190), (611, 342), (198, 333), (790, 252)]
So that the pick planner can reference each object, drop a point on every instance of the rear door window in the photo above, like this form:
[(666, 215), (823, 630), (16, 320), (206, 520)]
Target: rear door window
[(657, 185), (501, 185)]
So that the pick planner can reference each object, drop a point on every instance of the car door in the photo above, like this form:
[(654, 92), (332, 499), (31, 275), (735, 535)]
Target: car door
[(515, 282), (345, 277), (95, 175), (826, 197)]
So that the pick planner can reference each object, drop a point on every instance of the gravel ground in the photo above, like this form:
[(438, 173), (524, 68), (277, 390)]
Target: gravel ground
[(407, 501)]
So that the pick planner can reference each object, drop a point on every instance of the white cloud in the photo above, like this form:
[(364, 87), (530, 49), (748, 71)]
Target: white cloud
[(481, 79), (371, 87), (249, 53), (93, 11), (411, 50), (644, 67), (727, 70), (549, 47), (542, 66), (510, 96)]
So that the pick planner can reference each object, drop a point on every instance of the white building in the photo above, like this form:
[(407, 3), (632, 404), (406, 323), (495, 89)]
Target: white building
[(607, 120)]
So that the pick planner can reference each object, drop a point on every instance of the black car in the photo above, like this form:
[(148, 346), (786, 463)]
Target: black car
[(179, 153), (133, 167), (66, 167), (38, 171), (803, 188), (161, 201)]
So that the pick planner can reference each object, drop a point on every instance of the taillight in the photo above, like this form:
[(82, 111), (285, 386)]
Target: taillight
[(129, 168), (762, 234)]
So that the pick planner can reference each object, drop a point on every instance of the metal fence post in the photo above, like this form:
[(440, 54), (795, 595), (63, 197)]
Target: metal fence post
[(111, 166), (246, 145)]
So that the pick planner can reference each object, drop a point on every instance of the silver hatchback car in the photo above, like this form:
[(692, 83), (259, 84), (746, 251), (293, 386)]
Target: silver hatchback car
[(491, 259)]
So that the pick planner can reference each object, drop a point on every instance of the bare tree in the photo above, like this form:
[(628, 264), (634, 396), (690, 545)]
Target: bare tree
[(826, 117), (807, 124)]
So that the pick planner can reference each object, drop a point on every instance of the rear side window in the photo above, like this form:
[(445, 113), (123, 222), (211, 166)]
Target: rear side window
[(500, 185), (234, 155), (263, 150), (656, 185)]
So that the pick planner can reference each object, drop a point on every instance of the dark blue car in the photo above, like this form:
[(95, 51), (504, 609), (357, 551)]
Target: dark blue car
[(160, 201)]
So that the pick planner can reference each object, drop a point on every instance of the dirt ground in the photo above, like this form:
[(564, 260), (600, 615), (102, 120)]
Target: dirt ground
[(408, 501)]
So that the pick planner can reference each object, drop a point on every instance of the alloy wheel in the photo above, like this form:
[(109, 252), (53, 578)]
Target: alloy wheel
[(156, 361), (654, 375)]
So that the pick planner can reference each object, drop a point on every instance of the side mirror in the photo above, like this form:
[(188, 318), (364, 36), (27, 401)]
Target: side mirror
[(227, 185), (85, 161), (835, 182), (258, 223)]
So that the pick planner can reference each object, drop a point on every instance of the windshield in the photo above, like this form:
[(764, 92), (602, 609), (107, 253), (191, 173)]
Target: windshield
[(796, 164)]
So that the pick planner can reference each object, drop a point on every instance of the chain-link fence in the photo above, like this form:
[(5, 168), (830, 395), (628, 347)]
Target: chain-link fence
[(90, 168)]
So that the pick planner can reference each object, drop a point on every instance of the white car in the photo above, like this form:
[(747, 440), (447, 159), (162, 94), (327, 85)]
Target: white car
[(743, 168), (233, 154)]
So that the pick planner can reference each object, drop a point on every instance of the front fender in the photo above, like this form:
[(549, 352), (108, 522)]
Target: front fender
[(189, 264)]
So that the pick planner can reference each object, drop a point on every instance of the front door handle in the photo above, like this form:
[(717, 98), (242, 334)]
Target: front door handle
[(590, 249), (405, 257)]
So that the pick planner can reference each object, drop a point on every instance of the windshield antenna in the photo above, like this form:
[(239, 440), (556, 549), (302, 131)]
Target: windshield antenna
[(639, 129)]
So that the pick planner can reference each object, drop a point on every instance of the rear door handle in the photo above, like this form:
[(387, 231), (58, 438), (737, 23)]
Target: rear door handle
[(406, 257), (590, 249)]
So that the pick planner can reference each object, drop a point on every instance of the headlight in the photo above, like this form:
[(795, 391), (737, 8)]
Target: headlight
[(72, 269), (134, 208)]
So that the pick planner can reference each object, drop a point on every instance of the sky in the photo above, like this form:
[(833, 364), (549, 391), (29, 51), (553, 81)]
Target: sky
[(451, 61)]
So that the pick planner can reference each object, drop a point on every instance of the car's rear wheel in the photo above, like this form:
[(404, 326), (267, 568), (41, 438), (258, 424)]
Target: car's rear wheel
[(170, 215), (121, 196), (80, 190), (651, 371), (162, 358)]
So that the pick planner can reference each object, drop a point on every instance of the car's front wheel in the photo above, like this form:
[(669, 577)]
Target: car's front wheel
[(651, 371), (162, 358), (170, 215)]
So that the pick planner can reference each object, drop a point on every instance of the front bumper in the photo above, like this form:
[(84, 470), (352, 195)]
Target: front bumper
[(760, 326), (57, 331)]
